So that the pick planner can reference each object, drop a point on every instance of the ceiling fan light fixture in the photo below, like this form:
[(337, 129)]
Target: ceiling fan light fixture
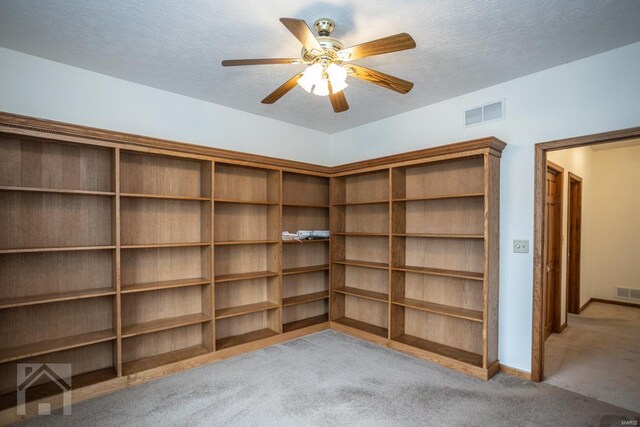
[(311, 76), (338, 77), (321, 88)]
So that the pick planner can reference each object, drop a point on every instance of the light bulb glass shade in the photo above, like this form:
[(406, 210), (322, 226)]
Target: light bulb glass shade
[(322, 88), (311, 76), (338, 77)]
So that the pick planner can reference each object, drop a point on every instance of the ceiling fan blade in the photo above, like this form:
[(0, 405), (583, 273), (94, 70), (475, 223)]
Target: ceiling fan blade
[(282, 90), (338, 100), (265, 61), (380, 79), (389, 44), (301, 30)]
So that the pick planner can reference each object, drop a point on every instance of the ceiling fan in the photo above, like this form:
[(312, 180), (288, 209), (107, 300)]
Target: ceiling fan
[(329, 63)]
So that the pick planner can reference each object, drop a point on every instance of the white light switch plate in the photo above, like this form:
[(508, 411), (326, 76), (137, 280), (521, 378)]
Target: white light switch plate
[(521, 246)]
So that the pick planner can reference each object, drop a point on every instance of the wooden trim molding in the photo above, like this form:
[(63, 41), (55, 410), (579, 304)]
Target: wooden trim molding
[(540, 164), (515, 372), (613, 302), (31, 126)]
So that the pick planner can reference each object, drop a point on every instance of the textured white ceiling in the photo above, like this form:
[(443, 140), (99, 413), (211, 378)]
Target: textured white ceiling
[(177, 45)]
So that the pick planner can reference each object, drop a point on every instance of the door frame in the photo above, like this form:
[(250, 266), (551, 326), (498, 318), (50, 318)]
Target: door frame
[(557, 256), (540, 168), (573, 286)]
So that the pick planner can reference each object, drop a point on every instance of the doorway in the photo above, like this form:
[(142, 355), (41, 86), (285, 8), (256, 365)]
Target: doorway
[(574, 242), (540, 204), (553, 249)]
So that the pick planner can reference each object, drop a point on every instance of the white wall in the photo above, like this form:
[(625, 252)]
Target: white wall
[(579, 161), (41, 88), (596, 94)]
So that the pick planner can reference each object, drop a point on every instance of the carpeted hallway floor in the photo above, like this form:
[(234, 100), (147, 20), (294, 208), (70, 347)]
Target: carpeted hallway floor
[(598, 355), (329, 379)]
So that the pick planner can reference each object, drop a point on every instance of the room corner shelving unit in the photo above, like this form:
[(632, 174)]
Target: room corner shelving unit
[(415, 257), (132, 258)]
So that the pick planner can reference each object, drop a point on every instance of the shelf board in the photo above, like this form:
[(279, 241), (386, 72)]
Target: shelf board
[(166, 284), (245, 202), (234, 340), (302, 270), (57, 191), (365, 202), (360, 233), (310, 321), (441, 349), (245, 242), (136, 329), (441, 272), (165, 245), (440, 235), (357, 263), (306, 241), (439, 197), (363, 326), (363, 293), (55, 297), (244, 276), (163, 197), (50, 388), (151, 362), (56, 249), (241, 310), (57, 344), (303, 299), (304, 205), (446, 310)]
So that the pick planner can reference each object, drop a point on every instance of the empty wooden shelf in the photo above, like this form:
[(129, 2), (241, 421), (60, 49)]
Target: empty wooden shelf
[(244, 276), (163, 324), (305, 269), (362, 293), (241, 310), (305, 298), (362, 326), (358, 263), (167, 358), (304, 323), (231, 341), (166, 284), (55, 297)]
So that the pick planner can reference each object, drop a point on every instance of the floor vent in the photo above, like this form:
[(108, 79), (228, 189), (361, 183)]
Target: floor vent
[(628, 293), (484, 113)]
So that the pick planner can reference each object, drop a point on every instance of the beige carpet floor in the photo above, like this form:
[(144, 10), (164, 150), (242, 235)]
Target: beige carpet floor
[(598, 355)]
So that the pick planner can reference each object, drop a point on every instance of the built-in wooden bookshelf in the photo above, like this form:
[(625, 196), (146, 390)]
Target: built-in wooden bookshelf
[(305, 267), (418, 272), (131, 258)]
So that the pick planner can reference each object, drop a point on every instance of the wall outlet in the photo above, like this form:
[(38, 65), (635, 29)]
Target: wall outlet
[(521, 246)]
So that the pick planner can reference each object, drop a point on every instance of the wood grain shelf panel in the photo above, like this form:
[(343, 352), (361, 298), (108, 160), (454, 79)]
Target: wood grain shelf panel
[(50, 388), (440, 235), (244, 276), (360, 233), (151, 362), (441, 272), (245, 202), (56, 249), (439, 197), (302, 299), (163, 324), (165, 245), (166, 284), (163, 197), (306, 269), (246, 242), (57, 191), (304, 205), (363, 326), (307, 241), (366, 202), (55, 297), (57, 344), (241, 310), (363, 293), (367, 264), (234, 340), (441, 349), (447, 310), (303, 323)]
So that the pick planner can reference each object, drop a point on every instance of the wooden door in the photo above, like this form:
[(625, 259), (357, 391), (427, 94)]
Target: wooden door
[(574, 233), (553, 243)]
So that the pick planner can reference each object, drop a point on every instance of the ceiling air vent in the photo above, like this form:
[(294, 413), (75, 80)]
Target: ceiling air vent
[(484, 113)]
